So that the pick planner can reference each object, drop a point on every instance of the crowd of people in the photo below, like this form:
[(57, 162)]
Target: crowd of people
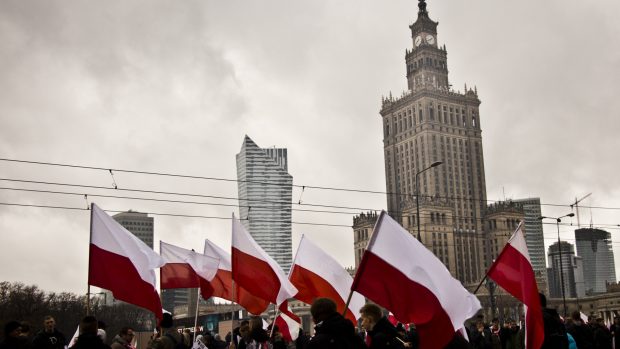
[(331, 330)]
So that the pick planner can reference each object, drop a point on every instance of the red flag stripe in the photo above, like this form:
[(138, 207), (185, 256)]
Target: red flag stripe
[(311, 286), (178, 275), (513, 272), (106, 269), (255, 275), (424, 309)]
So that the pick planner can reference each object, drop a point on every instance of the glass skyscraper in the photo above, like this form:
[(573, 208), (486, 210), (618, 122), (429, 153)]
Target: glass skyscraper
[(265, 198), (534, 238), (594, 246)]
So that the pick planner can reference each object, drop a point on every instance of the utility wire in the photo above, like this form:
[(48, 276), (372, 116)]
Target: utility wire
[(462, 198), (172, 214), (466, 219)]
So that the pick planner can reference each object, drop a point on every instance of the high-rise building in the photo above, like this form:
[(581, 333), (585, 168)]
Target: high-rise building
[(139, 224), (594, 246), (265, 198), (571, 269), (431, 122), (535, 239)]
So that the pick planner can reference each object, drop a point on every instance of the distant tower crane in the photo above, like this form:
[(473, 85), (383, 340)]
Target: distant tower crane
[(576, 204)]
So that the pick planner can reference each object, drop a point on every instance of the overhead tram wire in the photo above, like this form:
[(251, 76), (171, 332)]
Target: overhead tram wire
[(465, 219), (171, 214), (153, 173)]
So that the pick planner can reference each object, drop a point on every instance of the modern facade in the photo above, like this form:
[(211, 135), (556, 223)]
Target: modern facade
[(571, 269), (265, 197), (594, 246), (535, 240), (139, 224), (432, 122)]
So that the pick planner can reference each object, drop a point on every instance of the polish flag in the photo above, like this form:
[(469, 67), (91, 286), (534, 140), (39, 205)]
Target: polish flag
[(222, 284), (185, 268), (254, 270), (512, 271), (288, 323), (318, 275), (400, 274), (122, 263)]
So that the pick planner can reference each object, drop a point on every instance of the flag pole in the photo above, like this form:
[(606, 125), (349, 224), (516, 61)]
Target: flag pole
[(90, 241), (273, 323), (196, 317), (346, 306), (480, 284)]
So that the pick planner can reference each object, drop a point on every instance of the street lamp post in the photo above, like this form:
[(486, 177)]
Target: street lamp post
[(417, 194), (557, 223)]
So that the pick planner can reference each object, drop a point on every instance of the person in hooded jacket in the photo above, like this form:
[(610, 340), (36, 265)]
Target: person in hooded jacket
[(332, 330), (555, 332)]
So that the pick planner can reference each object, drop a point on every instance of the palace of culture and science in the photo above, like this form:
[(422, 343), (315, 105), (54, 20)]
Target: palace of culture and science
[(428, 123)]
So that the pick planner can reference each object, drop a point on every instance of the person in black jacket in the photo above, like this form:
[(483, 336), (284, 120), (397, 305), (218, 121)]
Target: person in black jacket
[(555, 332), (50, 337), (582, 333), (380, 333), (89, 338), (332, 330)]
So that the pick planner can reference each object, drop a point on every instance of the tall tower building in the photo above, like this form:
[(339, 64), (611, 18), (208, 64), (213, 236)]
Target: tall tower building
[(265, 198), (571, 270), (594, 246), (139, 224), (535, 239), (432, 122)]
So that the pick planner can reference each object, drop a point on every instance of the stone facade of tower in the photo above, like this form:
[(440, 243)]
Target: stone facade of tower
[(431, 122)]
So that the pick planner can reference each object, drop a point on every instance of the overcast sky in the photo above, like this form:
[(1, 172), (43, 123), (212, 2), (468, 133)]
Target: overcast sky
[(169, 86)]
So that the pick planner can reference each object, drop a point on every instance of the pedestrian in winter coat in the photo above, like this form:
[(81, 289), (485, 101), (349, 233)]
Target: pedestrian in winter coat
[(123, 339), (89, 338), (50, 337), (380, 333), (332, 330)]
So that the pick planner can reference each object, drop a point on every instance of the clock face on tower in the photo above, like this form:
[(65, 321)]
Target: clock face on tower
[(418, 40), (430, 39)]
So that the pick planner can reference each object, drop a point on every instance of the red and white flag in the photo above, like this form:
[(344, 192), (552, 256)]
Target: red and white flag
[(288, 323), (122, 263), (400, 274), (185, 268), (254, 270), (316, 274), (222, 284), (512, 271)]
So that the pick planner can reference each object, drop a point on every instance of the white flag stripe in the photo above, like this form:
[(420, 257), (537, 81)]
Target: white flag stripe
[(122, 242), (243, 241), (204, 266), (213, 250), (425, 269), (311, 257), (518, 242)]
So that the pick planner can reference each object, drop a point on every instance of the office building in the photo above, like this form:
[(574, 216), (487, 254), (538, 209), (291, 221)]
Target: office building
[(571, 269), (265, 197), (594, 246), (535, 240)]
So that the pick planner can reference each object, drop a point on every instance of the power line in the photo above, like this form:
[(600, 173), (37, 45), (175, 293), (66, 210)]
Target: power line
[(465, 219), (154, 173), (172, 214)]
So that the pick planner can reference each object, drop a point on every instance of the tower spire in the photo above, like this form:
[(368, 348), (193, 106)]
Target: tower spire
[(422, 8)]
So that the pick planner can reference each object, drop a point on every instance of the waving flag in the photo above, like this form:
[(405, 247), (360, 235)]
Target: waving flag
[(122, 263), (512, 271), (316, 274), (400, 274), (288, 323), (254, 270), (222, 284), (185, 268)]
